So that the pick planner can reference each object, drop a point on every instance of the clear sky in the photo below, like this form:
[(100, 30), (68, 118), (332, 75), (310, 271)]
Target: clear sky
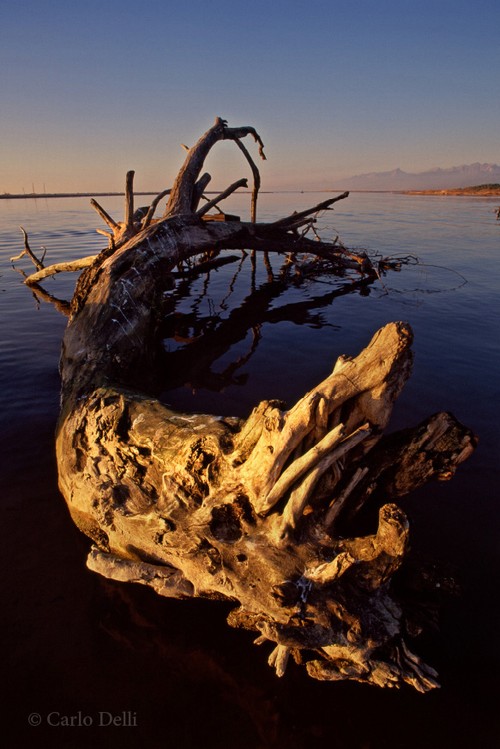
[(90, 89)]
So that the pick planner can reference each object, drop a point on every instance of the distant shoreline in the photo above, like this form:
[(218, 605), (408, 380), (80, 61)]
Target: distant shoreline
[(37, 195), (480, 191), (40, 195)]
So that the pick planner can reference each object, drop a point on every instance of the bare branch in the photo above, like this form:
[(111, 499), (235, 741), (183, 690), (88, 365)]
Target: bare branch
[(181, 197), (223, 195), (129, 200), (235, 133), (152, 208), (52, 270), (215, 205), (256, 179), (199, 189), (104, 215), (28, 251), (295, 219), (105, 233)]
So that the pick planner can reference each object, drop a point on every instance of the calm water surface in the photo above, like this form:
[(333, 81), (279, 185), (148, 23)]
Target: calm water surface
[(75, 642)]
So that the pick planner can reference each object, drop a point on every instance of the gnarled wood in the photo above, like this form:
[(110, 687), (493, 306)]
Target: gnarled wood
[(245, 509)]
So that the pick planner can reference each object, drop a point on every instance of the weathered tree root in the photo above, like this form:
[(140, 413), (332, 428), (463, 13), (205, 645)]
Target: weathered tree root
[(195, 505), (245, 510)]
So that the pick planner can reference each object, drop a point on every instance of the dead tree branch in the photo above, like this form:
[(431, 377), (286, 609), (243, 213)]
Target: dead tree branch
[(222, 196), (181, 197), (113, 225), (296, 219), (256, 179), (152, 208), (246, 510), (129, 200), (71, 266), (28, 251)]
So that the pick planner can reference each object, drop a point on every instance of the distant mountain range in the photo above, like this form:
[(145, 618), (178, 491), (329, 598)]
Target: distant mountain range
[(435, 179)]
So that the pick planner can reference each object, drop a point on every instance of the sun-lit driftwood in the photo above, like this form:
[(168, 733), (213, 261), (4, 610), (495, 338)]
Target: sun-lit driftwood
[(37, 262), (261, 511), (71, 266)]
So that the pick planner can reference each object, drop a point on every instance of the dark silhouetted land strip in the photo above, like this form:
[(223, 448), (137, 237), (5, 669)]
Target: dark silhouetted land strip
[(475, 190), (13, 196)]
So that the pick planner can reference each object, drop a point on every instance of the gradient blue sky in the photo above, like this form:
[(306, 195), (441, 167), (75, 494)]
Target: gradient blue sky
[(91, 89)]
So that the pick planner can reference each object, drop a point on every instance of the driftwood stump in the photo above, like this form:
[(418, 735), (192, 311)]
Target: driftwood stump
[(261, 511)]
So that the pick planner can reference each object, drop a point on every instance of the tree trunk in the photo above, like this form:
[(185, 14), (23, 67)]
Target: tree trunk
[(245, 509)]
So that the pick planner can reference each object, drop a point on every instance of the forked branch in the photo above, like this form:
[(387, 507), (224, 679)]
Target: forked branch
[(222, 196), (181, 197), (38, 263)]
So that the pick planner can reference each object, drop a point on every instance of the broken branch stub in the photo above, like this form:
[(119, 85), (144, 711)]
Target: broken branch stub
[(244, 509)]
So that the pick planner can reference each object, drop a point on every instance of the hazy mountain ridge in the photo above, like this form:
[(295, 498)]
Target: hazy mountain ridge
[(465, 175)]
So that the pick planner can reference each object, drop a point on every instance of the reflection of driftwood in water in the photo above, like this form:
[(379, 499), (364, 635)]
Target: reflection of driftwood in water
[(245, 510), (210, 337)]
